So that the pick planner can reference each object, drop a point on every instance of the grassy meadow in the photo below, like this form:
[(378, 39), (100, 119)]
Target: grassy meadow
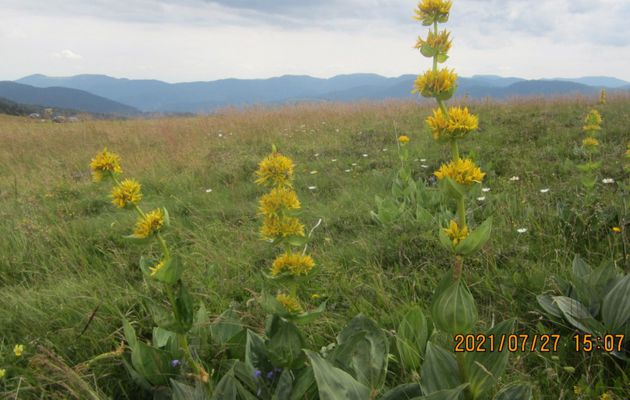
[(67, 277)]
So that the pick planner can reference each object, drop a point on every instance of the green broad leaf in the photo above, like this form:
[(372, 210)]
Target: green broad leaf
[(476, 239), (616, 307), (334, 383), (181, 391), (136, 377), (256, 355), (484, 368), (284, 386), (227, 326), (439, 370), (169, 274), (411, 338), (517, 391), (271, 305), (245, 375), (428, 21), (578, 315), (581, 269), (167, 218), (297, 241), (405, 391), (448, 394), (304, 385), (152, 364), (428, 51), (184, 306), (453, 309), (229, 388), (285, 343), (548, 305), (445, 241), (165, 319), (452, 188), (130, 334), (309, 316), (448, 94), (363, 348), (441, 58), (201, 326), (589, 167), (161, 337)]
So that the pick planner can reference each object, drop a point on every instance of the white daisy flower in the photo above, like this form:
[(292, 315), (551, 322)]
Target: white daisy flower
[(521, 230), (423, 160), (544, 190), (208, 190), (316, 154), (354, 164), (424, 166), (385, 149), (485, 190), (482, 198), (347, 170), (334, 160), (608, 180), (365, 155), (312, 187), (514, 178), (313, 172)]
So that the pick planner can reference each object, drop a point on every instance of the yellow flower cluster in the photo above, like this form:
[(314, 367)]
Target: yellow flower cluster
[(403, 139), (430, 10), (105, 164), (279, 199), (439, 84), (590, 142), (281, 227), (149, 224), (18, 350), (455, 233), (157, 267), (294, 263), (126, 193), (592, 121), (275, 170), (462, 171), (440, 42), (456, 125), (290, 303)]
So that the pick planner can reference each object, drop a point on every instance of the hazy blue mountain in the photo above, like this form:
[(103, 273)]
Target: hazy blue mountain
[(61, 97), (158, 96), (598, 81)]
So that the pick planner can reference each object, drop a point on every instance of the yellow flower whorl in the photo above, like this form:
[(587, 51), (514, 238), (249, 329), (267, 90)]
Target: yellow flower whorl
[(459, 123), (440, 84), (126, 193), (462, 171)]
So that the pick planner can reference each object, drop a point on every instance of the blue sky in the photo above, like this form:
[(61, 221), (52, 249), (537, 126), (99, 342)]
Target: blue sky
[(190, 40)]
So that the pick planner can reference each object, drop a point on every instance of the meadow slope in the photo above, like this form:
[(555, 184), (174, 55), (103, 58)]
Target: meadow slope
[(67, 277)]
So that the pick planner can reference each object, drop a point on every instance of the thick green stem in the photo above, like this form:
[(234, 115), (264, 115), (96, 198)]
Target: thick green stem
[(461, 362), (435, 60), (455, 150), (165, 249), (461, 213)]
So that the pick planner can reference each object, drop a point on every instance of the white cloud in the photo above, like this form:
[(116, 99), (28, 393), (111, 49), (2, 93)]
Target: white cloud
[(67, 54), (186, 40)]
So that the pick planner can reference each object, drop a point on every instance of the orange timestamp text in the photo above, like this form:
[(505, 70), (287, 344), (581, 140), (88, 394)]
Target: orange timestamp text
[(512, 343)]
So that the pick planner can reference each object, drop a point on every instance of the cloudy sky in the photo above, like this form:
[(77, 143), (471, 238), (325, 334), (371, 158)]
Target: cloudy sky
[(188, 40)]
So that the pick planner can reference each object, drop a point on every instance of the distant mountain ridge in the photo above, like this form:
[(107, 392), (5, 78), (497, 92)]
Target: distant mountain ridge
[(157, 96), (62, 97)]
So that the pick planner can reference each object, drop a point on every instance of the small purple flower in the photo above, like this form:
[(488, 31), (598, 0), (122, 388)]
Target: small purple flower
[(257, 373), (175, 363), (270, 375)]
